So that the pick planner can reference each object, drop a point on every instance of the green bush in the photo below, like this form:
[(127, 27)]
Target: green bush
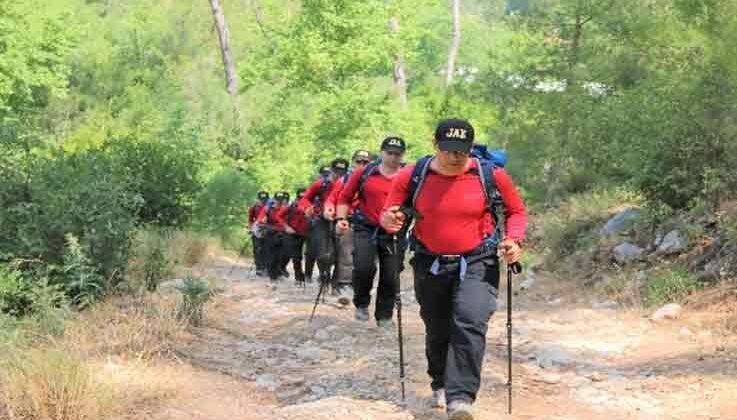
[(37, 303), (195, 294), (81, 280), (152, 261), (671, 285), (222, 206), (63, 194), (163, 173), (15, 292)]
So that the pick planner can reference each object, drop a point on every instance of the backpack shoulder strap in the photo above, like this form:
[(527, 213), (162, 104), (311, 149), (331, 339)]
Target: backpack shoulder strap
[(419, 173), (493, 200), (347, 176), (486, 175), (290, 212), (370, 169)]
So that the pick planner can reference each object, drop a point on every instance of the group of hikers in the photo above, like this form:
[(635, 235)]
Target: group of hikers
[(447, 208)]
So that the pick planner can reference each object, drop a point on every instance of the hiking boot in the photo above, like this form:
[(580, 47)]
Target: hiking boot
[(438, 398), (385, 324), (362, 314), (460, 410), (345, 295)]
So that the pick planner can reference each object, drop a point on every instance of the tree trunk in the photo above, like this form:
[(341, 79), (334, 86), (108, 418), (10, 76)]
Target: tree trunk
[(455, 44), (400, 76), (231, 80)]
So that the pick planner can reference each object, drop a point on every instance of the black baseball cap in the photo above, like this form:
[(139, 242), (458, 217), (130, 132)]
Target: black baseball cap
[(301, 192), (277, 196), (283, 196), (361, 155), (263, 195), (454, 135), (339, 165), (395, 144), (324, 170)]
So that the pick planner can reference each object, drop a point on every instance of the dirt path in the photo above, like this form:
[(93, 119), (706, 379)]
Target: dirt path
[(260, 358)]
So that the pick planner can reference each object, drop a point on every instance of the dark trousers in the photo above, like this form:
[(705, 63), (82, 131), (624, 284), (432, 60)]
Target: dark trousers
[(309, 260), (322, 247), (456, 315), (258, 252), (294, 250), (275, 252), (368, 248)]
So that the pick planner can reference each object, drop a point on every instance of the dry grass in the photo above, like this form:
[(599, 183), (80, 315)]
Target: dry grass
[(190, 249), (49, 384), (160, 255), (114, 360), (719, 306), (110, 362), (142, 328)]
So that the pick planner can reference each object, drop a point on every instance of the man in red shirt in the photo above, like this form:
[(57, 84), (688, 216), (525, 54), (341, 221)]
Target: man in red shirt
[(370, 186), (456, 267), (271, 220), (344, 268), (258, 246), (321, 243), (296, 226), (310, 254)]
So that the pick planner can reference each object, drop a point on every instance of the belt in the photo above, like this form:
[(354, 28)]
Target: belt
[(445, 262)]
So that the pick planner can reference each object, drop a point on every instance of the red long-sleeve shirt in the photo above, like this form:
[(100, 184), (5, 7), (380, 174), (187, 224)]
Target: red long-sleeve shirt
[(335, 194), (277, 219), (316, 195), (455, 215), (375, 191), (253, 212), (295, 218)]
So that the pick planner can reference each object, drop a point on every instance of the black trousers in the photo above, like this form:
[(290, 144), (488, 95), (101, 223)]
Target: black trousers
[(456, 314), (276, 254), (258, 252), (294, 249), (322, 247), (369, 247)]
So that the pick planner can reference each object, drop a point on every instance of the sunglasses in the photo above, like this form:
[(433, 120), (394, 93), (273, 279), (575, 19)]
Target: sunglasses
[(394, 153), (362, 162), (456, 152)]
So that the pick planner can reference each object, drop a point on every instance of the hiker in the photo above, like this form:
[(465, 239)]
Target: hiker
[(456, 268), (344, 274), (271, 219), (370, 186), (256, 237), (322, 240), (310, 253), (296, 227)]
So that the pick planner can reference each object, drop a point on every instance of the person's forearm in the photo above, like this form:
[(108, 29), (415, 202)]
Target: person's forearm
[(342, 211)]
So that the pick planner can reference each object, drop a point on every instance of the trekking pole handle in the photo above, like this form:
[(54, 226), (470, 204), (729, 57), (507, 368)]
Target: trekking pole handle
[(516, 267)]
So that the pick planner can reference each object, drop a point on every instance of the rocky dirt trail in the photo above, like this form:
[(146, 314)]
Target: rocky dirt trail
[(258, 357)]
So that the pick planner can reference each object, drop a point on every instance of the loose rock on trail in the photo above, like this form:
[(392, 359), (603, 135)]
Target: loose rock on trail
[(572, 360)]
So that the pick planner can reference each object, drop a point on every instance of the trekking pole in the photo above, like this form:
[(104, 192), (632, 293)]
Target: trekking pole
[(317, 299), (397, 263), (515, 268)]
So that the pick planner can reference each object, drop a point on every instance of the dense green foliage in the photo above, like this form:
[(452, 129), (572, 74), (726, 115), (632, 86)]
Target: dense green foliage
[(113, 114)]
